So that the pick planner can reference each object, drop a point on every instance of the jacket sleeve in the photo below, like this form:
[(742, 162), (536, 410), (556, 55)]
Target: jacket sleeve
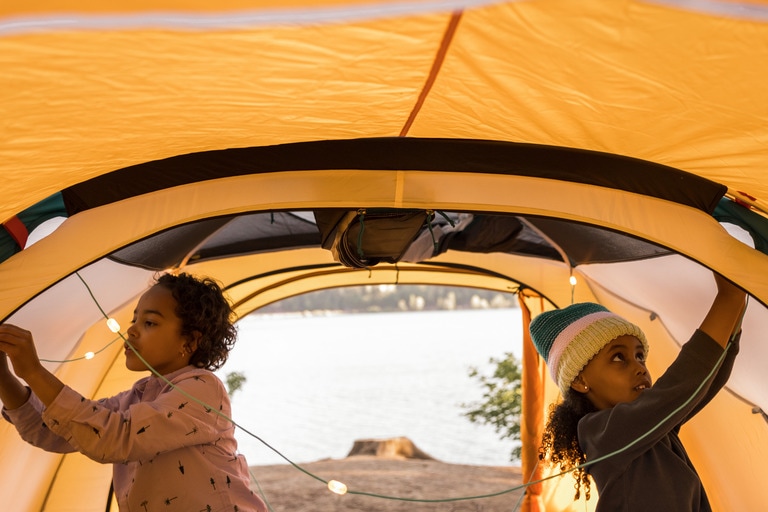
[(184, 414), (28, 421), (720, 378), (630, 428)]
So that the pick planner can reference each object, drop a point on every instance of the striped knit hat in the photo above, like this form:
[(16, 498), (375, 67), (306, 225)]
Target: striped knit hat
[(569, 338)]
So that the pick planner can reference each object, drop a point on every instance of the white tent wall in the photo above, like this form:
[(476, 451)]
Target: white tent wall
[(72, 482), (680, 308)]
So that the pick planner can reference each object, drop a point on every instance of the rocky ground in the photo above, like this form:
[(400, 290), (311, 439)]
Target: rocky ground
[(288, 489)]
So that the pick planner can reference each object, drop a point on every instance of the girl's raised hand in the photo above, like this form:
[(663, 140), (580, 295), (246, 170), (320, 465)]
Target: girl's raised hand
[(722, 319), (18, 345)]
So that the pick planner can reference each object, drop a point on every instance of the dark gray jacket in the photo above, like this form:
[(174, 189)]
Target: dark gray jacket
[(655, 473)]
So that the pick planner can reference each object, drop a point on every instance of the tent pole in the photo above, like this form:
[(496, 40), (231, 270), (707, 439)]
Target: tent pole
[(532, 426)]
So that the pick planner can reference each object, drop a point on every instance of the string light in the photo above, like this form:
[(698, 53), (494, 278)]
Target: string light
[(340, 488), (337, 487), (113, 325), (85, 356), (334, 486), (572, 280)]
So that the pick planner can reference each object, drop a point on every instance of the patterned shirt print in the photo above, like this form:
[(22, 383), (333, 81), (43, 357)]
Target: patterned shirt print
[(169, 452)]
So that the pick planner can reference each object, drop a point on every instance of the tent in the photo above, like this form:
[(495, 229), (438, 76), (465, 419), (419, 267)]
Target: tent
[(503, 145)]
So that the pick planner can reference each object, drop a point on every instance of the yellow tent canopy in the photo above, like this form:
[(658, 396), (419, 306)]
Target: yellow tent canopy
[(599, 139)]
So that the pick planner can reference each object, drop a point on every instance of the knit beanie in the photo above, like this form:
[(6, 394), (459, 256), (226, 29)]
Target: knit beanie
[(569, 338)]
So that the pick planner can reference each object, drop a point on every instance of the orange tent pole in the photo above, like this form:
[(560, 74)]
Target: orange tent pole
[(532, 426)]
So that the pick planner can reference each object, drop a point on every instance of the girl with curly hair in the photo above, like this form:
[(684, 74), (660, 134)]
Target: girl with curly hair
[(613, 424), (168, 438)]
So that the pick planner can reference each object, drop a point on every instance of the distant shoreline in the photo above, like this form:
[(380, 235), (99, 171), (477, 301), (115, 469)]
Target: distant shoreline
[(337, 312), (393, 298)]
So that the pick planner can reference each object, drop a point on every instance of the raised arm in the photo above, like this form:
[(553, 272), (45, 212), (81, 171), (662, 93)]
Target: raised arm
[(726, 311), (13, 393), (17, 343)]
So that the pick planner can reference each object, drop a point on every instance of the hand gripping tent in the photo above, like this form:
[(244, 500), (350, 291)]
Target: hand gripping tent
[(284, 147)]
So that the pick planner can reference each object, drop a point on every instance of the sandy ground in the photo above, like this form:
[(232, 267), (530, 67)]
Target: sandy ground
[(288, 489)]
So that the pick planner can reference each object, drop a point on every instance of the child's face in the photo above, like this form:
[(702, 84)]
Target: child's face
[(617, 374), (156, 334)]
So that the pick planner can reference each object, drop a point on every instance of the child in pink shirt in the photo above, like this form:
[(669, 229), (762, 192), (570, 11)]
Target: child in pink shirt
[(169, 439)]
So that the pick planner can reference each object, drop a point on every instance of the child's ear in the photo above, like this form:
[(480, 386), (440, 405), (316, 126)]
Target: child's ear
[(193, 341), (579, 385)]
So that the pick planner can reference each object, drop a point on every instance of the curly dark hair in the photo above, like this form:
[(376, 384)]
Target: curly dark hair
[(203, 308), (560, 442)]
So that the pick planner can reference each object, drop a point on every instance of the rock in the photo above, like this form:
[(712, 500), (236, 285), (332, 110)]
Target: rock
[(397, 447)]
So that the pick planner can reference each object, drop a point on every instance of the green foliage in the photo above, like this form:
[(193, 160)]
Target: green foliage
[(235, 381), (502, 400)]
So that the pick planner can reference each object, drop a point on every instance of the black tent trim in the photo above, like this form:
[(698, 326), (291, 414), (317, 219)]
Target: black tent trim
[(403, 153)]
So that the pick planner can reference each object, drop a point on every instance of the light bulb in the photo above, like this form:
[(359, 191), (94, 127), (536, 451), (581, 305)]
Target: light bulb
[(89, 355), (113, 325), (572, 280), (337, 487)]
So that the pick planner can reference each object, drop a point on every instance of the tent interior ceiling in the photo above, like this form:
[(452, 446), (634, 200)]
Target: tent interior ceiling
[(289, 146), (271, 231)]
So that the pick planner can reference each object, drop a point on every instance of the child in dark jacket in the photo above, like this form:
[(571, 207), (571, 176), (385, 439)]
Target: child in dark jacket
[(614, 419)]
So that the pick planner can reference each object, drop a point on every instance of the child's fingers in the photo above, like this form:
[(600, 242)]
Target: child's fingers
[(13, 330), (15, 341), (18, 345), (13, 335)]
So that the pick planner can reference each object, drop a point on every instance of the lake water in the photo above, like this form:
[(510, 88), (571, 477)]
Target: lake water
[(316, 384)]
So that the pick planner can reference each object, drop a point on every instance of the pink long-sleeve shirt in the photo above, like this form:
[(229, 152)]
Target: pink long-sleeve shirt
[(169, 452)]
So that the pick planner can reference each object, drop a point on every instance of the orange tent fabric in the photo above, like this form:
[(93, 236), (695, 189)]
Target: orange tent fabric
[(116, 90)]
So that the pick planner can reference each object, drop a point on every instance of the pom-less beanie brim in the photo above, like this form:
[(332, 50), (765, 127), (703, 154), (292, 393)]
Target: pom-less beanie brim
[(569, 338), (587, 342)]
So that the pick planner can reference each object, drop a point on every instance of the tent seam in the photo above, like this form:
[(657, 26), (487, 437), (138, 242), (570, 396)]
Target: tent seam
[(437, 64)]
